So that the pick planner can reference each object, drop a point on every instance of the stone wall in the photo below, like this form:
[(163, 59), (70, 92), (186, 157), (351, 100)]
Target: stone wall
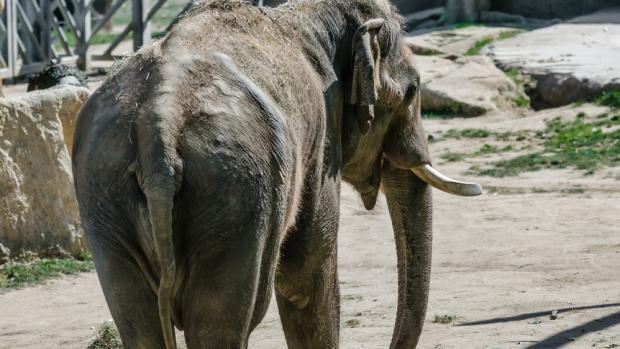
[(38, 209)]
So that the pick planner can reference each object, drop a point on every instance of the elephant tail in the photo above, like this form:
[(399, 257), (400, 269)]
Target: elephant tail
[(160, 175), (160, 212)]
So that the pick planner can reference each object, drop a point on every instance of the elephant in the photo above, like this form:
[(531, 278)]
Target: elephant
[(208, 169)]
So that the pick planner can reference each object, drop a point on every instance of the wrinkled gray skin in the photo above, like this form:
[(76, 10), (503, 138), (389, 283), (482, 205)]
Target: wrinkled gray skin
[(208, 171)]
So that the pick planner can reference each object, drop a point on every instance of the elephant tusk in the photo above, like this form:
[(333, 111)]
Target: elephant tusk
[(436, 179)]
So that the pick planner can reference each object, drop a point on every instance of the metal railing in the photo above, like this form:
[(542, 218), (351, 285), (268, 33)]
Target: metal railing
[(35, 32)]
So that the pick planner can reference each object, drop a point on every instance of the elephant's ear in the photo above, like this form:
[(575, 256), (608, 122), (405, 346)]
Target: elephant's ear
[(365, 81)]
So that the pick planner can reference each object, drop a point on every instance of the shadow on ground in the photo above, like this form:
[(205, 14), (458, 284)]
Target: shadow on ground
[(567, 336)]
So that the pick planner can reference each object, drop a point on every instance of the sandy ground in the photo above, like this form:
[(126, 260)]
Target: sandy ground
[(535, 243)]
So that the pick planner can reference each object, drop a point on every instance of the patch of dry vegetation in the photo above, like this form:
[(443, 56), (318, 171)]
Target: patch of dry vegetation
[(107, 338)]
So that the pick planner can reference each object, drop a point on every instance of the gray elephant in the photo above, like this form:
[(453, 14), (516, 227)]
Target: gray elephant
[(208, 171)]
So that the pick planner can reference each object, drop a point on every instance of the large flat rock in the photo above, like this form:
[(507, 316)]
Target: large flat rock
[(453, 41), (571, 61), (467, 86)]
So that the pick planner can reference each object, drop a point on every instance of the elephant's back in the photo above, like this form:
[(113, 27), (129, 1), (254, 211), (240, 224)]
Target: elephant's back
[(264, 45)]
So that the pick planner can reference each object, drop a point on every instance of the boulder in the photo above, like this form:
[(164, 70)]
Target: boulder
[(467, 86), (417, 19), (571, 61), (38, 209)]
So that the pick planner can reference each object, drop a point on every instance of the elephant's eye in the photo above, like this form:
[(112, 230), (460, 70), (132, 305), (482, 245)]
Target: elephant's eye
[(410, 93)]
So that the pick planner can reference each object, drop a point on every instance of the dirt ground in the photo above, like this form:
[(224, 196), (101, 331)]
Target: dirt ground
[(532, 244)]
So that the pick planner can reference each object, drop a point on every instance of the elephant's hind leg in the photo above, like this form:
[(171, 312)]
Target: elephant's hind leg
[(307, 282), (223, 295), (310, 312), (130, 298), (219, 301)]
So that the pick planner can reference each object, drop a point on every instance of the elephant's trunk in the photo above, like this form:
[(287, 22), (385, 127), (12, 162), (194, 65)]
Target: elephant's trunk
[(410, 205)]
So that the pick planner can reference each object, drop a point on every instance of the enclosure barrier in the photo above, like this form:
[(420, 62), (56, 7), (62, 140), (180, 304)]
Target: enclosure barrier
[(35, 32)]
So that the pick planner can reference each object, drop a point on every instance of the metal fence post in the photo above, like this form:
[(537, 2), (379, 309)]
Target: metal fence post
[(141, 27), (45, 34), (11, 28), (30, 54), (83, 22)]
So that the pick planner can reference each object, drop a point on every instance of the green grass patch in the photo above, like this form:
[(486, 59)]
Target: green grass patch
[(492, 149), (484, 150), (573, 191), (452, 157), (353, 323), (475, 50), (515, 74), (524, 82), (610, 99), (438, 115), (444, 319), (467, 24), (508, 34), (522, 102), (478, 45), (467, 133), (17, 275), (575, 144), (518, 136)]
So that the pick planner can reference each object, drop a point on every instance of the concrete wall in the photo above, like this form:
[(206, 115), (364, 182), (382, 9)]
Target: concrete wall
[(551, 8), (409, 6), (527, 8)]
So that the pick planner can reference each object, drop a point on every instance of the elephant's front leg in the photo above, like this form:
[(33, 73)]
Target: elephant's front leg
[(307, 280)]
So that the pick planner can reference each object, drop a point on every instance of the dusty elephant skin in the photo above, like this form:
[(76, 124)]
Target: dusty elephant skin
[(208, 171)]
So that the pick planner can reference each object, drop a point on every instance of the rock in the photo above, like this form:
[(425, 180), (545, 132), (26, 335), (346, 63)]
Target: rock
[(55, 74), (421, 47), (38, 209), (469, 86), (417, 18), (455, 41), (553, 90), (571, 61), (554, 315)]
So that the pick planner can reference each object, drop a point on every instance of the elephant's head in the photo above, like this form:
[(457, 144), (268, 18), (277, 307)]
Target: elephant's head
[(384, 145)]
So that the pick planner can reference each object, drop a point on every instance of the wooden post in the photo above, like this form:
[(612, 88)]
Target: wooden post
[(141, 27), (83, 22)]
